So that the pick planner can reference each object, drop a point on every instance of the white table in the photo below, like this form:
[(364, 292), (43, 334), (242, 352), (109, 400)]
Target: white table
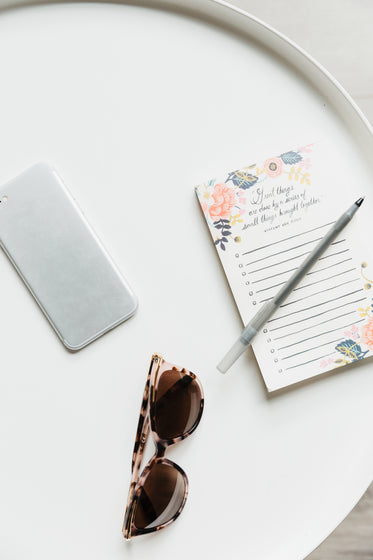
[(269, 477)]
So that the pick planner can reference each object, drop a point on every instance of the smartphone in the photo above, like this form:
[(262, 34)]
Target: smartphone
[(60, 258)]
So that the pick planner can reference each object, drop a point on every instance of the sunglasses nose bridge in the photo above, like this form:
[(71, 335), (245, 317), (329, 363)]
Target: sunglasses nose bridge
[(160, 450)]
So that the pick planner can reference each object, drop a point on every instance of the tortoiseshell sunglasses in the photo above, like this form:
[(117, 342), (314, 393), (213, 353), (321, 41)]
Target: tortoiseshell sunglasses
[(172, 408)]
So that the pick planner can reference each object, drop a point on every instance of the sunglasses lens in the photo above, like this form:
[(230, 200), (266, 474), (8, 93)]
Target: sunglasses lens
[(162, 496), (177, 405)]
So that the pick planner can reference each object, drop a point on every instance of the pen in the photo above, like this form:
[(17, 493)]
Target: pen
[(265, 312)]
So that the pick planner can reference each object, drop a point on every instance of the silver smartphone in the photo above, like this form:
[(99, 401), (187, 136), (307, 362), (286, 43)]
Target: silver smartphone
[(60, 258)]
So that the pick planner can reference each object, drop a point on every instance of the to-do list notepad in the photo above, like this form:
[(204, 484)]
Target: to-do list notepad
[(264, 220)]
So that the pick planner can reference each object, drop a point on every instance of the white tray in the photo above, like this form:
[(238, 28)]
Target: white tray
[(134, 106)]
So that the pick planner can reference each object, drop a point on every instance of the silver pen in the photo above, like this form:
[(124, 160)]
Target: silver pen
[(265, 312)]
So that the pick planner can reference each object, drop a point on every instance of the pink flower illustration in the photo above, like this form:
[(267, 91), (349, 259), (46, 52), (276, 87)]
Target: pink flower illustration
[(306, 163), (273, 167), (367, 333), (307, 149), (353, 333), (224, 200), (325, 363), (241, 198)]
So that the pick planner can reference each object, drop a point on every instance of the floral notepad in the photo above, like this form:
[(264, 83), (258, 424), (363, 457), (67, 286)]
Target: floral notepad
[(264, 220)]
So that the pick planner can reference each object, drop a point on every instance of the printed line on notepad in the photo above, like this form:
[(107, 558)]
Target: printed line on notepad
[(307, 285), (326, 267), (324, 279), (281, 262), (293, 258), (317, 293), (316, 305), (284, 251), (309, 361), (286, 239), (317, 335), (316, 325), (308, 273), (292, 249), (333, 254), (313, 348), (317, 314)]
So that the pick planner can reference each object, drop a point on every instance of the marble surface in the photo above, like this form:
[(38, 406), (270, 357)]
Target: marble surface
[(338, 34)]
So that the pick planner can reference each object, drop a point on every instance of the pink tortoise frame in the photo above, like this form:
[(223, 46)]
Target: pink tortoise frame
[(147, 423)]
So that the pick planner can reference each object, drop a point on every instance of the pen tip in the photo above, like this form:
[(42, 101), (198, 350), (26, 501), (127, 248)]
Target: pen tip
[(360, 201)]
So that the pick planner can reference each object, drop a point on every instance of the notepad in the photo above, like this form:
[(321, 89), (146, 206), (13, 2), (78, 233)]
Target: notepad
[(264, 220)]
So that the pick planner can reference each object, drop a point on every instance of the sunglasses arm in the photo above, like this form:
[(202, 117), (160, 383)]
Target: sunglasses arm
[(141, 438), (142, 434)]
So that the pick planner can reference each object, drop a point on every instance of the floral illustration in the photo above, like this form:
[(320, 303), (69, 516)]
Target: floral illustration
[(368, 283), (351, 352), (297, 174), (352, 333), (367, 333), (305, 164), (273, 167), (224, 204), (358, 340), (325, 363), (243, 179), (224, 200)]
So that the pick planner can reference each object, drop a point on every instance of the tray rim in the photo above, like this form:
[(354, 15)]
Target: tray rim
[(201, 9), (239, 19)]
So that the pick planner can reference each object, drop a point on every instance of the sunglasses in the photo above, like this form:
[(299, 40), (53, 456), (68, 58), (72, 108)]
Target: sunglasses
[(171, 408)]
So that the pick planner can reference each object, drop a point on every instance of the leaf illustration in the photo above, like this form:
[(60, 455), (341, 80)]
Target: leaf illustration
[(291, 157), (222, 223), (242, 179), (350, 349)]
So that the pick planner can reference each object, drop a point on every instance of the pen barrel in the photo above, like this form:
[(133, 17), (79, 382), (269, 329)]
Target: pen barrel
[(256, 323), (265, 312), (314, 256)]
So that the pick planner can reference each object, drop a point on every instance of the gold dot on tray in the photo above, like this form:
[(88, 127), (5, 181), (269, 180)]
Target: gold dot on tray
[(364, 265), (237, 239)]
